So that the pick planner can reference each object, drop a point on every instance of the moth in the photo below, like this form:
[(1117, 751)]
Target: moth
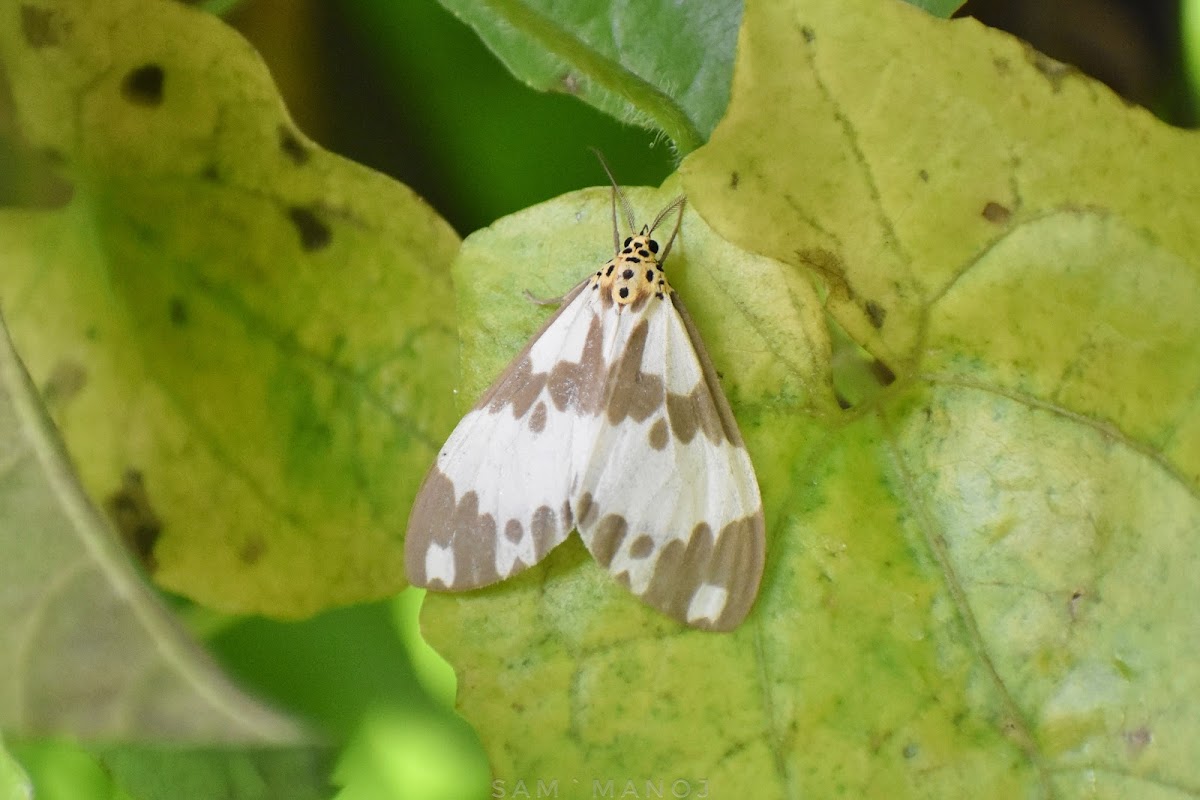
[(611, 422)]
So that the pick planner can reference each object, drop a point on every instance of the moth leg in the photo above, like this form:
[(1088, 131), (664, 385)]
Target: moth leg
[(545, 301)]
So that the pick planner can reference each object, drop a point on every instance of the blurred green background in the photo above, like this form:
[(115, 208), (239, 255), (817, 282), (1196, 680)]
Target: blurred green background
[(407, 89)]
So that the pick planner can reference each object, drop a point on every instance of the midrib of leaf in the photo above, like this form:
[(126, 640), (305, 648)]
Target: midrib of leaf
[(658, 107), (773, 727)]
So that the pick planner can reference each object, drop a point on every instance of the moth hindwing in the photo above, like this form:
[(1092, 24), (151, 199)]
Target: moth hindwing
[(611, 421)]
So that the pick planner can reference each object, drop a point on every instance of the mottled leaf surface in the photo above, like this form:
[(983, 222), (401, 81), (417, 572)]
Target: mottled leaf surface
[(245, 339), (980, 578)]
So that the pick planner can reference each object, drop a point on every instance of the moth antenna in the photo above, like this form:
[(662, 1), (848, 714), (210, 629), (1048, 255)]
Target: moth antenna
[(616, 193), (616, 233), (678, 202)]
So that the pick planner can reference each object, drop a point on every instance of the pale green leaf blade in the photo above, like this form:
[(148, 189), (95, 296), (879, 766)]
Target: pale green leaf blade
[(247, 333), (978, 577), (86, 648), (655, 63)]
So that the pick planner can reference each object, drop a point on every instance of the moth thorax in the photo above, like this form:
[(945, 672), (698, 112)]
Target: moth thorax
[(636, 273)]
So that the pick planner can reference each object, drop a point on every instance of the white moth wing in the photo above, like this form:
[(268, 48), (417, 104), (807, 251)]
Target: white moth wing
[(667, 498), (497, 498), (611, 420)]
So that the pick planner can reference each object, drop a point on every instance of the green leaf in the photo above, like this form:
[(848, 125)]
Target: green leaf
[(1189, 34), (76, 599), (63, 771), (14, 783), (653, 63), (244, 339), (981, 578), (939, 8)]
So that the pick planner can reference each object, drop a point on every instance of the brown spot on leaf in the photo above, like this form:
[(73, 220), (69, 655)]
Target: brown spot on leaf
[(130, 509), (1073, 603), (292, 147), (252, 551), (314, 233), (882, 373), (1138, 739), (38, 26), (178, 312), (513, 531), (66, 380), (143, 85), (876, 313), (830, 266), (997, 213)]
